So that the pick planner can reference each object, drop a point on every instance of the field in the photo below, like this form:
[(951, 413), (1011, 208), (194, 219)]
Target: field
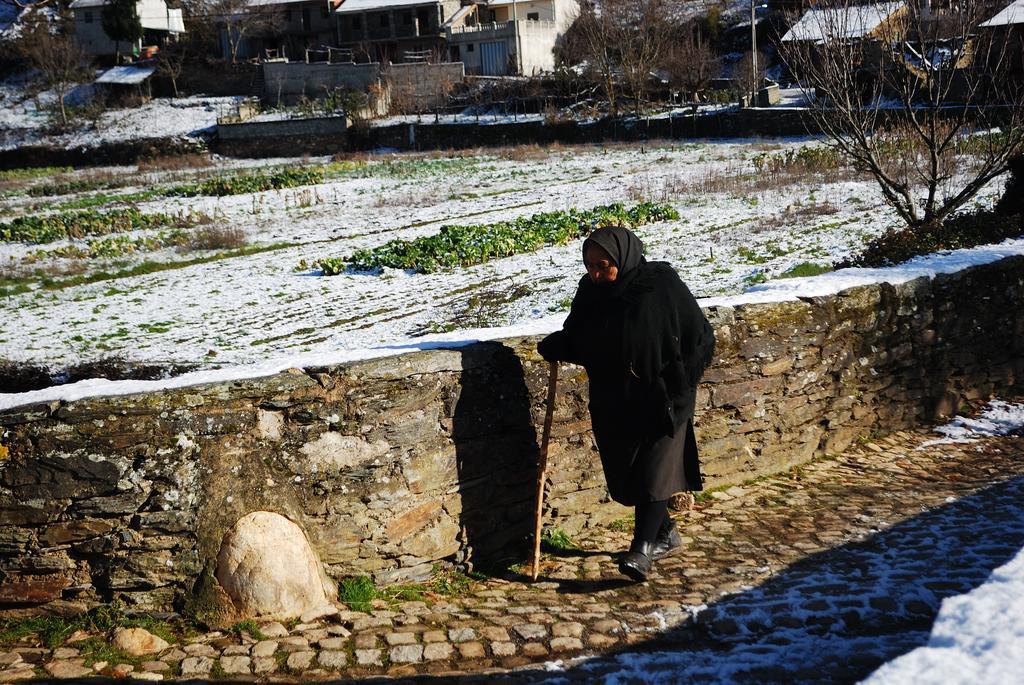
[(195, 262)]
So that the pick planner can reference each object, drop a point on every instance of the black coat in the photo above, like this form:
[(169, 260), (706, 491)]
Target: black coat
[(644, 342)]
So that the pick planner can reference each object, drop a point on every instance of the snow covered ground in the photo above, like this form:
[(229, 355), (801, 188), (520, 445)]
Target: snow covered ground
[(25, 119), (259, 308)]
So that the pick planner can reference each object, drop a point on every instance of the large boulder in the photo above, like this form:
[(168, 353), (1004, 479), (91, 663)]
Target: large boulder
[(137, 641), (268, 569)]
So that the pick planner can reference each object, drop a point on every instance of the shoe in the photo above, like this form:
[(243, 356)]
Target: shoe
[(668, 540), (636, 563)]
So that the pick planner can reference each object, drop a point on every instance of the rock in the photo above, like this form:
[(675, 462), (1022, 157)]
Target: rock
[(461, 634), (293, 644), (565, 644), (437, 650), (64, 653), (236, 650), (567, 629), (503, 648), (77, 636), (471, 650), (20, 672), (33, 655), (300, 661), (332, 643), (146, 675), (235, 665), (98, 666), (264, 664), (274, 629), (332, 659), (122, 670), (406, 654), (268, 568), (9, 659), (174, 656), (369, 657), (318, 613), (138, 642), (70, 668), (196, 665), (534, 649), (338, 630), (264, 649), (200, 649), (155, 666), (395, 639), (531, 631)]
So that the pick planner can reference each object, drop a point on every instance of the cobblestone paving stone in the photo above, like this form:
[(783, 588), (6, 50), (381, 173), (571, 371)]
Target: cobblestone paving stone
[(840, 564)]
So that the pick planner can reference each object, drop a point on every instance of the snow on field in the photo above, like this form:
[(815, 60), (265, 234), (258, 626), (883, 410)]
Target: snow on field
[(260, 309), (24, 119)]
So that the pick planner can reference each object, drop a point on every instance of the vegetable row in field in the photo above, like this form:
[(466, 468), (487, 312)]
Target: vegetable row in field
[(50, 227), (478, 243), (250, 183)]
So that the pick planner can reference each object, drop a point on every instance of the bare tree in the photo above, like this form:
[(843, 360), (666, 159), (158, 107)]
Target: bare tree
[(55, 55), (242, 20), (747, 80), (691, 63), (929, 104), (622, 41), (171, 62)]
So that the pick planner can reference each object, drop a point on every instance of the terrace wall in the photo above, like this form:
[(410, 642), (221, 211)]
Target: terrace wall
[(393, 465)]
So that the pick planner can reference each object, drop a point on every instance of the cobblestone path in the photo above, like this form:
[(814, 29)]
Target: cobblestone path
[(816, 575)]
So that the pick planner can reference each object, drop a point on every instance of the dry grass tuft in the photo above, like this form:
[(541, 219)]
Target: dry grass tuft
[(175, 162), (215, 238)]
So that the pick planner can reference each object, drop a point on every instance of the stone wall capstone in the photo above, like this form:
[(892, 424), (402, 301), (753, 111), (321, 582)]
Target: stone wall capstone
[(394, 465)]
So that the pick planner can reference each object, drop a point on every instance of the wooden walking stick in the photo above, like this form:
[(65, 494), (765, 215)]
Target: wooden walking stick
[(542, 468)]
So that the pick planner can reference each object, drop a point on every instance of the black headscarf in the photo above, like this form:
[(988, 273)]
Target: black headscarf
[(622, 246)]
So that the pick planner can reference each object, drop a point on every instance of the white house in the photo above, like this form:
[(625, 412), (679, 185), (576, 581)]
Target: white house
[(158, 22), (499, 37)]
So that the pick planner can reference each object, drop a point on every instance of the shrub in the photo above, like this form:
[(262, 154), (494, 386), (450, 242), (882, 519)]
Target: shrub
[(214, 238), (478, 243), (960, 231)]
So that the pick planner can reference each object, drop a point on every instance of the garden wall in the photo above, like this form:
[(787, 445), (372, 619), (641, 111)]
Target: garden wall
[(393, 465)]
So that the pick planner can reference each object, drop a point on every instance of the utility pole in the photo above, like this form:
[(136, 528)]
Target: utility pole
[(753, 54), (515, 30)]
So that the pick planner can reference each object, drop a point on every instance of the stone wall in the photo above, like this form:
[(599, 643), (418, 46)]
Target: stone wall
[(391, 466)]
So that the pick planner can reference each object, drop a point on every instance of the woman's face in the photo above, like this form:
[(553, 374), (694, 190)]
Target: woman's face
[(600, 266)]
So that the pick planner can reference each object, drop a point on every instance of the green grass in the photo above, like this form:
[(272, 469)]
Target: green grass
[(360, 592), (623, 525), (804, 269), (53, 631), (248, 626), (557, 540)]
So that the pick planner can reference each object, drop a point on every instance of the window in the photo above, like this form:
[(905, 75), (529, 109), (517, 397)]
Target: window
[(407, 17), (533, 16), (305, 19), (88, 17), (469, 47), (384, 21), (288, 16), (357, 23), (324, 11)]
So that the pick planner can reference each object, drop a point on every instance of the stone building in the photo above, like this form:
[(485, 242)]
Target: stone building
[(270, 29), (159, 23), (393, 30), (500, 37)]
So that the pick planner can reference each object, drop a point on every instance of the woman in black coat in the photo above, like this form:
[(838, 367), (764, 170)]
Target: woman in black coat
[(644, 341)]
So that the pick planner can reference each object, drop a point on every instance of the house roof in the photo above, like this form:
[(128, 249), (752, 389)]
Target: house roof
[(1011, 14), (821, 24), (126, 75), (79, 4), (352, 6)]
